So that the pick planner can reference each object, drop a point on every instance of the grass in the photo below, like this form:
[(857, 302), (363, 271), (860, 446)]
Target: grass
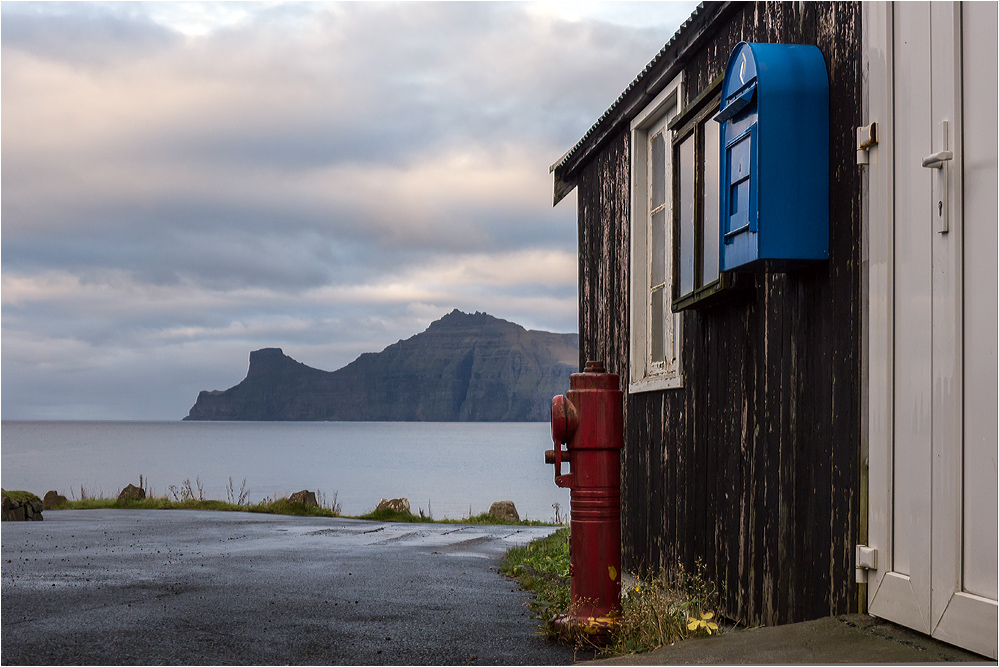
[(20, 496), (279, 506), (191, 497), (660, 610), (542, 567), (672, 606)]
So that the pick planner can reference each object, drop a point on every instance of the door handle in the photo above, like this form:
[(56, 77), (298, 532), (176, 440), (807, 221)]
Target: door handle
[(936, 160), (941, 179)]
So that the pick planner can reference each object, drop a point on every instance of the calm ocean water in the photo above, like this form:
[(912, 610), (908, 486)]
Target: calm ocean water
[(450, 468)]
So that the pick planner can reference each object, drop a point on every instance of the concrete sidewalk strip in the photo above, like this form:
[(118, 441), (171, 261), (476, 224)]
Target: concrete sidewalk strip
[(853, 639)]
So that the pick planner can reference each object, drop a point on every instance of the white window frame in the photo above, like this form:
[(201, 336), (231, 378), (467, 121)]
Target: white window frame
[(646, 375)]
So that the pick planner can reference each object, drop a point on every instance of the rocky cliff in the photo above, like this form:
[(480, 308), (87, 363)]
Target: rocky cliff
[(464, 367)]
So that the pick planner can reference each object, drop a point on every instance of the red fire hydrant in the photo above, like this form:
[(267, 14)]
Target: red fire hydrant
[(588, 419)]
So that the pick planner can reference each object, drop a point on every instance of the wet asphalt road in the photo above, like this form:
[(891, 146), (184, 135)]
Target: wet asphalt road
[(185, 587)]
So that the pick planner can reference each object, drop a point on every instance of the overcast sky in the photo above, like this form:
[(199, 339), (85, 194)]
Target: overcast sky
[(183, 183)]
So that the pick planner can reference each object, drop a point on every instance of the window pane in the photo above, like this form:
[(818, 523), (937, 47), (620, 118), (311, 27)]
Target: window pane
[(687, 216), (711, 221), (658, 248), (657, 152), (658, 321)]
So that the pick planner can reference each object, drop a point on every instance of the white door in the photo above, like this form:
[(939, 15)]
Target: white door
[(933, 390)]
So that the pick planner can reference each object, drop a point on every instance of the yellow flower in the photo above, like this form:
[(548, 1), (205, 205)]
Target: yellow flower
[(703, 622)]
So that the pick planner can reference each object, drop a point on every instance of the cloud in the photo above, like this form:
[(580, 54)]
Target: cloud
[(83, 35), (183, 179)]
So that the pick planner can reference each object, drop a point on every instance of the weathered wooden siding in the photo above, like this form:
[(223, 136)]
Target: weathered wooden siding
[(751, 467), (604, 232)]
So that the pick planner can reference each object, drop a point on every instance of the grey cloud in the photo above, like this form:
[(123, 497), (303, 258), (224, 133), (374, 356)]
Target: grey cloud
[(226, 249), (217, 261), (304, 178), (145, 384), (82, 34), (390, 83)]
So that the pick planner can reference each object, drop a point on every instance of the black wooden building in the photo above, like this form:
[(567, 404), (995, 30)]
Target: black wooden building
[(743, 413)]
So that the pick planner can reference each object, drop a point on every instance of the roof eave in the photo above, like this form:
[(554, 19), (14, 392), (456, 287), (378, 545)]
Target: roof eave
[(659, 72)]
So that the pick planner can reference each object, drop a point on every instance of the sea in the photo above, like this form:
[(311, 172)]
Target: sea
[(449, 470)]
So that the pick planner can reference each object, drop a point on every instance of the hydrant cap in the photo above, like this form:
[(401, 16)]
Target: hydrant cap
[(594, 376)]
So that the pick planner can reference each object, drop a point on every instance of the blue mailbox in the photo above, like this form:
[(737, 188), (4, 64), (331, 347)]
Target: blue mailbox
[(774, 168)]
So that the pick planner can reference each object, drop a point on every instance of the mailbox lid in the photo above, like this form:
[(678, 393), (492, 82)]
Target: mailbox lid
[(738, 108), (739, 87), (739, 118)]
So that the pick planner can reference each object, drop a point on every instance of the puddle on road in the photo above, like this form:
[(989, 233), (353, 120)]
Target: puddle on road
[(444, 538)]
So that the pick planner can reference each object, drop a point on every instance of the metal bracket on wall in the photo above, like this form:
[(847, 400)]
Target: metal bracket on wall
[(867, 559), (867, 136)]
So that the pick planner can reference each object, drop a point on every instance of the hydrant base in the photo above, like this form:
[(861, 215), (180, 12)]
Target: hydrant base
[(596, 630)]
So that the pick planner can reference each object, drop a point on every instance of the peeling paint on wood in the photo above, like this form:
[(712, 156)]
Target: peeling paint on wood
[(752, 466)]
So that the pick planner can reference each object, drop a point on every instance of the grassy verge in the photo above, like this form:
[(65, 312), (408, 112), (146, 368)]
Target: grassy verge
[(20, 496), (672, 606), (275, 506), (655, 611), (279, 506), (542, 567)]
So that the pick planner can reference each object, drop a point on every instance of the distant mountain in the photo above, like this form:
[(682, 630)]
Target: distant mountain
[(464, 367)]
